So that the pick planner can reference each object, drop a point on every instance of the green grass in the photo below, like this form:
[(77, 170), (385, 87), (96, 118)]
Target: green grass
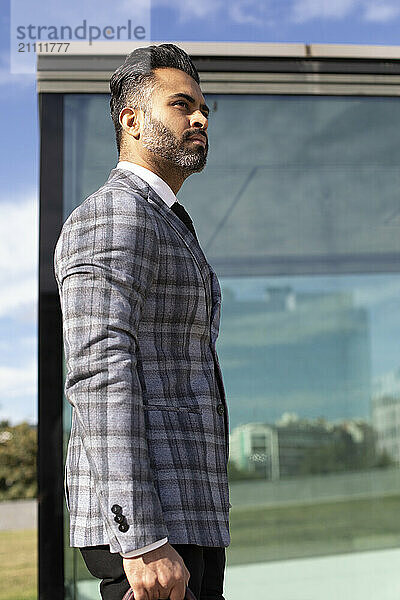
[(18, 565)]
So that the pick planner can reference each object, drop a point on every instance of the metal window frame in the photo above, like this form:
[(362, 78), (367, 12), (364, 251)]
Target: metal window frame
[(50, 355), (230, 68)]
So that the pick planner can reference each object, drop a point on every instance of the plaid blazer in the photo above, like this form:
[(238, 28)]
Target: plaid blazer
[(147, 454)]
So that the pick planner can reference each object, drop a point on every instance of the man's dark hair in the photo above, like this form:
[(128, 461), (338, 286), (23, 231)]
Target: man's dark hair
[(134, 81)]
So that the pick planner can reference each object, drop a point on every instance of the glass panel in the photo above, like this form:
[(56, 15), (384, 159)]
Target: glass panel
[(299, 185), (89, 148), (297, 211), (89, 153), (311, 372)]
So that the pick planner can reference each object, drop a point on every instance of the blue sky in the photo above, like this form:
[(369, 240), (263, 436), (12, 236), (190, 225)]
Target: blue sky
[(308, 21)]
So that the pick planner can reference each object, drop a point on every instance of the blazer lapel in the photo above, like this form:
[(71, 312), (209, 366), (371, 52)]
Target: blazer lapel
[(139, 185), (187, 237)]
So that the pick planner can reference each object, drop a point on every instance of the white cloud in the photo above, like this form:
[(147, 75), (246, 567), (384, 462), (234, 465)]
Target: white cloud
[(29, 343), (18, 302), (18, 393), (380, 12), (377, 11), (10, 79), (124, 8), (240, 15), (271, 12), (192, 9), (19, 257), (21, 411), (73, 12), (22, 345), (307, 10), (16, 382), (20, 80), (90, 16), (250, 12), (243, 12)]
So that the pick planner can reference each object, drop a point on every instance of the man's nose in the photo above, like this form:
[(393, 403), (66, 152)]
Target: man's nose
[(198, 120)]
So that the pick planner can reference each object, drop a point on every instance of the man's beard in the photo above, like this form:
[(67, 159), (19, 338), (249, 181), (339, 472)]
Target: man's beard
[(160, 140)]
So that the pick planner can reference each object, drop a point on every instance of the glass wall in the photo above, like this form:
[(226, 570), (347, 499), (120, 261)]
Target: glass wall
[(298, 213)]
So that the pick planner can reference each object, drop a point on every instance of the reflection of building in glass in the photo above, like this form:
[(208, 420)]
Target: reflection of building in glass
[(307, 351), (296, 446), (386, 413), (254, 448), (297, 438)]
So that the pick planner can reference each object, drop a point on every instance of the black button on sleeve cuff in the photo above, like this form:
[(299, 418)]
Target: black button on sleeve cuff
[(119, 518)]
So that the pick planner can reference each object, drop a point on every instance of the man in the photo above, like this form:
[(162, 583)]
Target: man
[(146, 479)]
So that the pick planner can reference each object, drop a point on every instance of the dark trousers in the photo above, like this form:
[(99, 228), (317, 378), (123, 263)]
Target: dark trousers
[(206, 566)]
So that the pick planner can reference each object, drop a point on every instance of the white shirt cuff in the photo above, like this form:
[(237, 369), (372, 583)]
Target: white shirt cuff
[(145, 549)]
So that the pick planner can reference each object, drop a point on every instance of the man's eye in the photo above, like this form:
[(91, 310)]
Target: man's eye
[(182, 103)]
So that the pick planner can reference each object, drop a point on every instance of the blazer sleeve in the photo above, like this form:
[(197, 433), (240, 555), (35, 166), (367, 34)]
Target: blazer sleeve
[(105, 261)]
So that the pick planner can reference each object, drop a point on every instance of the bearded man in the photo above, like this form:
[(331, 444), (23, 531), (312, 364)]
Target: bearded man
[(146, 469)]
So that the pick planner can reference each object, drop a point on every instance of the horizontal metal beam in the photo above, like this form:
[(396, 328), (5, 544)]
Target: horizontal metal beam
[(238, 68), (240, 83), (251, 49), (249, 78), (122, 48)]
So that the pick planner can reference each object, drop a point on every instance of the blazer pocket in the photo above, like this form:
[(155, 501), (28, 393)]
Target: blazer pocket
[(176, 441), (184, 409)]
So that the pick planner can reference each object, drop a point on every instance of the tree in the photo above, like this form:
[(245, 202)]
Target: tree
[(18, 453)]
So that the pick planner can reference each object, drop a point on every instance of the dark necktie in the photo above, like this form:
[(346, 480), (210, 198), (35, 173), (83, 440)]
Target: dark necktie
[(180, 211)]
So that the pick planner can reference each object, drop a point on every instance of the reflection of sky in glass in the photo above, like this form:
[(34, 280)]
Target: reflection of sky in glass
[(316, 349), (297, 183)]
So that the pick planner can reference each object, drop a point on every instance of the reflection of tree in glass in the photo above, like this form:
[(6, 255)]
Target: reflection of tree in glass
[(236, 474), (345, 452)]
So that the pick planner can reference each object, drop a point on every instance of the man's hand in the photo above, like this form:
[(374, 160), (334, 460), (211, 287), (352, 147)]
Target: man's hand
[(159, 574)]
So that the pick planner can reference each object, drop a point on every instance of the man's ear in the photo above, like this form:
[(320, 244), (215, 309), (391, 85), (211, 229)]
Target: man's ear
[(131, 121)]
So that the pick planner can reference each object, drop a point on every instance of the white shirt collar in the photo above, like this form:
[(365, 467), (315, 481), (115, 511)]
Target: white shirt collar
[(159, 185)]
